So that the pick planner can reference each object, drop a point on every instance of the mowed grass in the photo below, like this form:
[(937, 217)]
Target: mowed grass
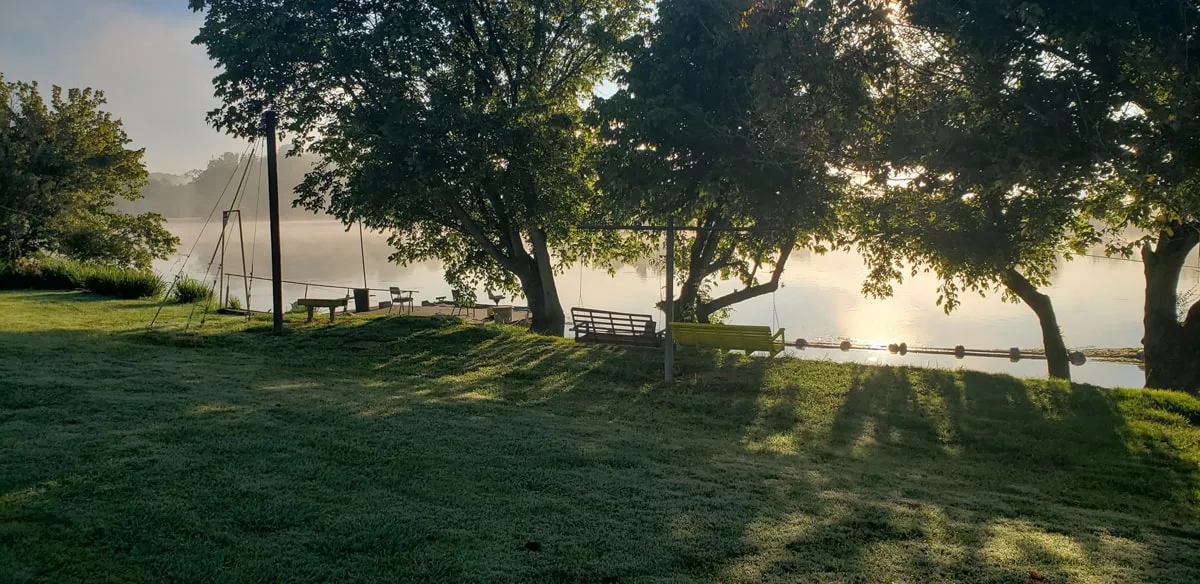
[(408, 450)]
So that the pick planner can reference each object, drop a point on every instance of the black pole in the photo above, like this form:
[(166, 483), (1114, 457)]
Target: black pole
[(668, 343), (270, 119)]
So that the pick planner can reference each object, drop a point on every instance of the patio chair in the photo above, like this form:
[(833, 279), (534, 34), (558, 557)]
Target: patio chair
[(400, 298)]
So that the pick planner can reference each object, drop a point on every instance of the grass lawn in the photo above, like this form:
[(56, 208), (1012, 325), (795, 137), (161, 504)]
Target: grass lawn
[(407, 450)]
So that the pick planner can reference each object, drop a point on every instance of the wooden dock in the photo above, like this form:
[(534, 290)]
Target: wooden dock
[(472, 315)]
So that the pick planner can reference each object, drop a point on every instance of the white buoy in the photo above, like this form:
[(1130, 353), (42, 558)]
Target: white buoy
[(903, 348), (1014, 354), (960, 352), (801, 344), (845, 346), (1077, 358)]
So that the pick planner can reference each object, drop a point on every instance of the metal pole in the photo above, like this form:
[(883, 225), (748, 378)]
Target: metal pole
[(363, 250), (668, 343), (221, 266), (245, 280), (270, 119)]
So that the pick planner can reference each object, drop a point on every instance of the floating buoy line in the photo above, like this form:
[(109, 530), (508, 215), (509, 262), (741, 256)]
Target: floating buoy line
[(1014, 354)]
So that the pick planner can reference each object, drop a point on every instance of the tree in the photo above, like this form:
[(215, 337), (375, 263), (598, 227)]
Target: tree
[(1135, 65), (62, 167), (455, 124), (991, 173), (742, 114)]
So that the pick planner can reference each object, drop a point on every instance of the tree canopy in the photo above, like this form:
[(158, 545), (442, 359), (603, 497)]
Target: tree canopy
[(742, 114), (454, 124), (63, 164), (1118, 81)]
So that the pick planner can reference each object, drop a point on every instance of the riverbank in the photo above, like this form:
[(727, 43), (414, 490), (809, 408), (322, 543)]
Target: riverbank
[(385, 449)]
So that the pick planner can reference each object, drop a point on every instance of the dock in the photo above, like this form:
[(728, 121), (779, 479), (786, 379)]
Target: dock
[(479, 314)]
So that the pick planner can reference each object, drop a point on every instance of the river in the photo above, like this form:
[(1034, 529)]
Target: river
[(1098, 300)]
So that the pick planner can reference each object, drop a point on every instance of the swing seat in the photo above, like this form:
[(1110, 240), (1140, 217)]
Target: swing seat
[(728, 337), (593, 326)]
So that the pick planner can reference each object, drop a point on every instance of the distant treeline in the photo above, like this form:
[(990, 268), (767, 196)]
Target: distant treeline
[(195, 193)]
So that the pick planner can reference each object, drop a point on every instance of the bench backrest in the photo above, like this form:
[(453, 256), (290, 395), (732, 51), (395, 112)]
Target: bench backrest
[(615, 323), (727, 337)]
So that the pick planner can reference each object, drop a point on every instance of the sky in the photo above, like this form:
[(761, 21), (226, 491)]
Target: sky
[(139, 53)]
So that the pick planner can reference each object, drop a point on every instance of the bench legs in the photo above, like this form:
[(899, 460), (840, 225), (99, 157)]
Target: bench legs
[(332, 311), (310, 314)]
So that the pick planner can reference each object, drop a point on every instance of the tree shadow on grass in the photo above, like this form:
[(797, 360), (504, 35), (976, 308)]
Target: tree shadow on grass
[(963, 476), (402, 449)]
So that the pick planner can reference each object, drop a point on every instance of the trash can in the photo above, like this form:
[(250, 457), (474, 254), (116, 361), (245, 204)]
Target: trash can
[(362, 300)]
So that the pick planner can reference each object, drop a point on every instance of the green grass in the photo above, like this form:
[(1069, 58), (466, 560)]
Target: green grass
[(407, 450)]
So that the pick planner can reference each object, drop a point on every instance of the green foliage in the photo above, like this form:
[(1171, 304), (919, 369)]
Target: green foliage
[(982, 168), (234, 302), (735, 113), (1054, 92), (190, 291), (53, 273), (65, 164), (432, 453), (43, 273), (457, 126), (121, 282)]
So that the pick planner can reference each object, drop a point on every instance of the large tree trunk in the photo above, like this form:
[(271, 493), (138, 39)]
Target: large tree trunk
[(541, 290), (1057, 361), (1172, 348), (536, 272)]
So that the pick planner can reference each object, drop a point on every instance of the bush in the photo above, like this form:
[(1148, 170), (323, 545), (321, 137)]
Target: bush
[(124, 283), (61, 274), (189, 291), (44, 273), (51, 273)]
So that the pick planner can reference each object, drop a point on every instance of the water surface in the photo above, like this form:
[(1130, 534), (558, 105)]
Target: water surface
[(1098, 300)]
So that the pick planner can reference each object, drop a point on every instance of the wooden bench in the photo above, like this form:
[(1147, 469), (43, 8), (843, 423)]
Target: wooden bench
[(614, 328), (728, 337), (331, 303)]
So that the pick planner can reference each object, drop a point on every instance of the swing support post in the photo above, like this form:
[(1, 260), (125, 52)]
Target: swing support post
[(668, 343)]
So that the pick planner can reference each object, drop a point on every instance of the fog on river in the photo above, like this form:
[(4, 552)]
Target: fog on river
[(1098, 300)]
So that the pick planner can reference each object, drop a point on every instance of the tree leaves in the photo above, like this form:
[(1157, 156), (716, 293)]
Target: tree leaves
[(456, 124), (63, 164), (736, 113)]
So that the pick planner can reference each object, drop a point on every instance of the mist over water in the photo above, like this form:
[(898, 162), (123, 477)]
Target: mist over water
[(1098, 300)]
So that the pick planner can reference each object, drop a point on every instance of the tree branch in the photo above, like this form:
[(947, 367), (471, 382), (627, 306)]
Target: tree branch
[(477, 233), (753, 291), (494, 43)]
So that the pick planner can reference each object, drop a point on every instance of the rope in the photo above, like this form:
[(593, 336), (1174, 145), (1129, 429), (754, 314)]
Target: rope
[(217, 204), (188, 256), (262, 169), (774, 312)]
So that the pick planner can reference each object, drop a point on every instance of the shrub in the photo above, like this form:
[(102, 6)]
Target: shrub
[(51, 273), (45, 273), (235, 303), (189, 291), (124, 283), (63, 274)]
